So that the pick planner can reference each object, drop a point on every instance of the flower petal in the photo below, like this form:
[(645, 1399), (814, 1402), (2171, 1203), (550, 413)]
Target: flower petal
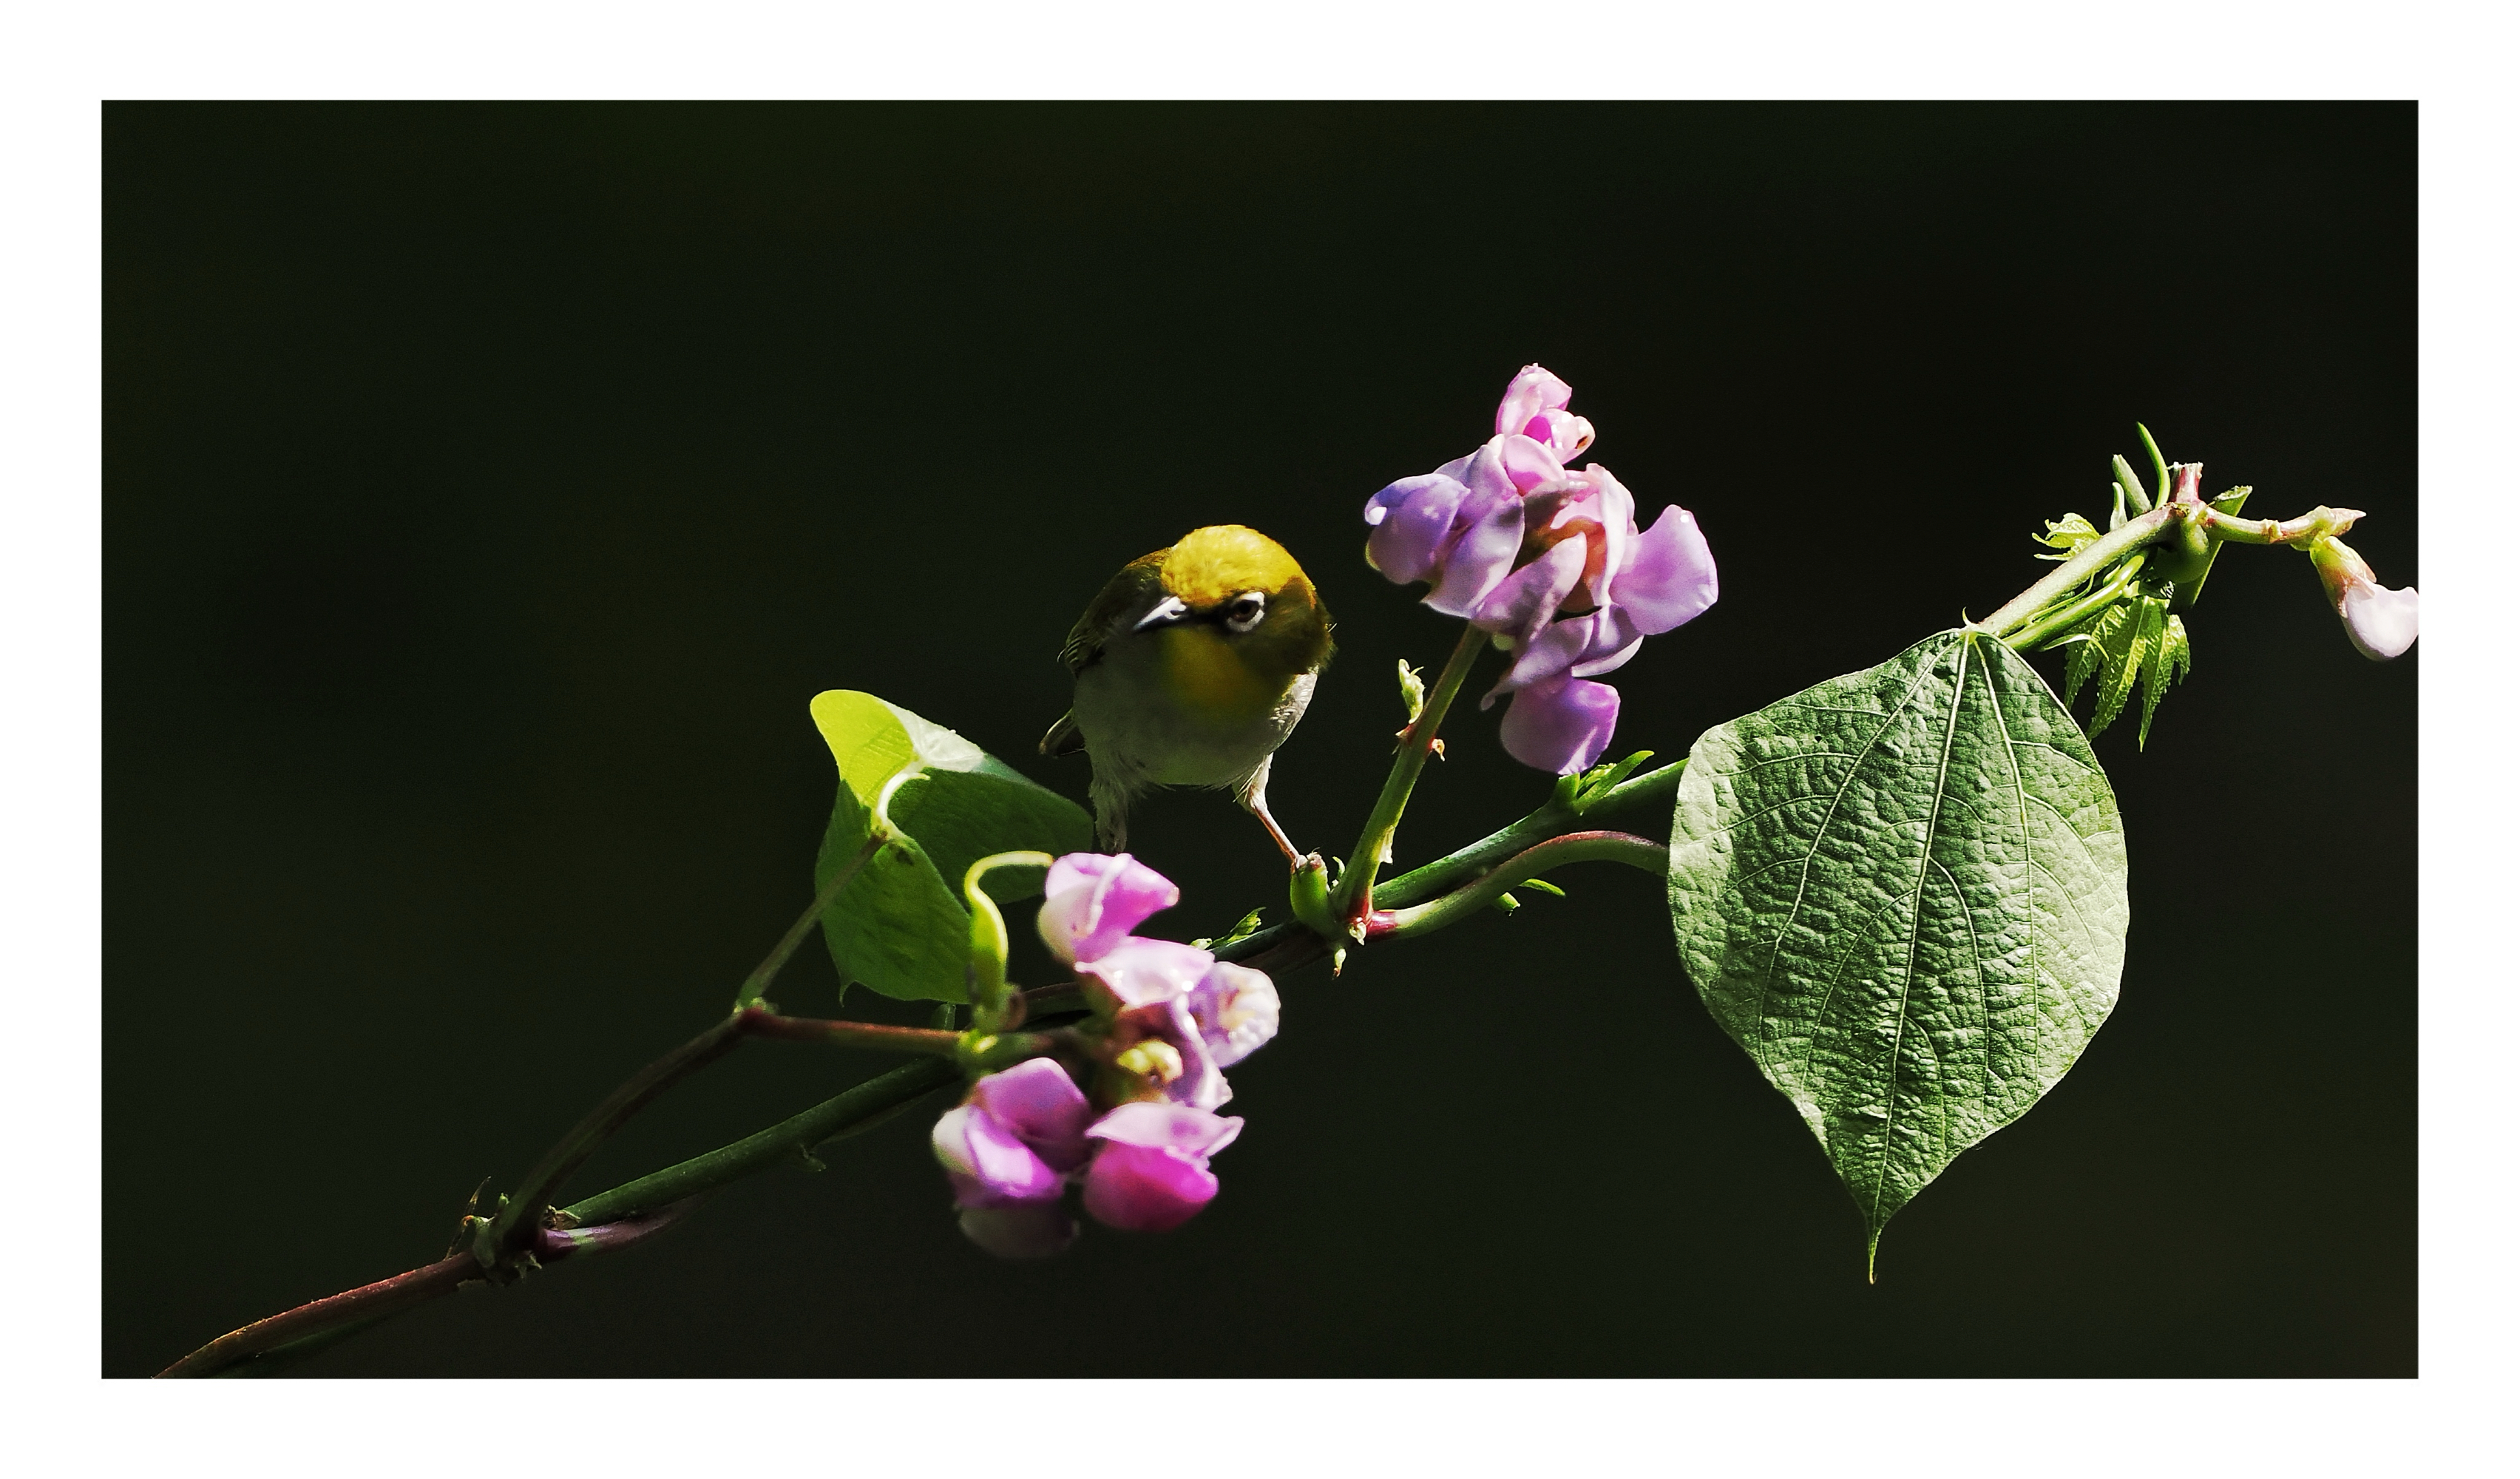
[(1564, 433), (2379, 621), (1146, 1189), (1531, 391), (1481, 556), (1585, 646), (1236, 1009), (1523, 601), (1200, 1084), (1672, 577), (1510, 463), (1150, 1123), (1606, 502), (1413, 524), (985, 1161), (1139, 972), (1561, 725), (1042, 1107), (1090, 901)]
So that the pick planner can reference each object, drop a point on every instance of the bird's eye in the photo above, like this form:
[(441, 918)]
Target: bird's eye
[(1243, 613)]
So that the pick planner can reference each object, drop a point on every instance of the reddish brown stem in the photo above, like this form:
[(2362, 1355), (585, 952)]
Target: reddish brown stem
[(387, 1296)]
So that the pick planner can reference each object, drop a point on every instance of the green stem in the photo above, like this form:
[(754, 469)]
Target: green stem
[(771, 965), (2027, 638), (929, 1042), (1574, 847), (2099, 555), (1279, 946), (608, 1220), (786, 1142), (1355, 892), (512, 1232), (2234, 530)]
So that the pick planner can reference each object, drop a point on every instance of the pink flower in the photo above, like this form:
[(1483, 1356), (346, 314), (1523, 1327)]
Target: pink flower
[(1015, 1136), (1090, 901), (1152, 1175)]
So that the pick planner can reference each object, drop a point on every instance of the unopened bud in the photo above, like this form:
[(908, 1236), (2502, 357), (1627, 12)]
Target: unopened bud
[(1308, 895)]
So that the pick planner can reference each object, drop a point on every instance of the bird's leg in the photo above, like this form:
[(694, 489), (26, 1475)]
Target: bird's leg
[(1253, 796), (1260, 809)]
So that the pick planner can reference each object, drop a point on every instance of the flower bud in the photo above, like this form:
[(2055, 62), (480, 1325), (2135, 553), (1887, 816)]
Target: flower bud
[(1308, 896)]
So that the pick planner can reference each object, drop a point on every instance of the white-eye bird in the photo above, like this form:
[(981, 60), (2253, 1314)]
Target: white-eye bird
[(1191, 668)]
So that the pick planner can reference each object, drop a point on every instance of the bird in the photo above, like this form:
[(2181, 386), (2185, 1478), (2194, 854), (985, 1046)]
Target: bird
[(1191, 668)]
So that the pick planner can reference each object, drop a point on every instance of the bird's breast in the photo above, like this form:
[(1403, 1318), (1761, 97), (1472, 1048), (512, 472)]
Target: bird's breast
[(1202, 672), (1180, 707)]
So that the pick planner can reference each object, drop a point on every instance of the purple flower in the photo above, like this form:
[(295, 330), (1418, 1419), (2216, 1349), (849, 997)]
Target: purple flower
[(1090, 901), (1014, 1138), (1549, 560), (1151, 1174), (2379, 621), (1180, 1015)]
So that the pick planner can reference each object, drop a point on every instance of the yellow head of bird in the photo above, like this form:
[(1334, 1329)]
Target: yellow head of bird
[(1252, 590)]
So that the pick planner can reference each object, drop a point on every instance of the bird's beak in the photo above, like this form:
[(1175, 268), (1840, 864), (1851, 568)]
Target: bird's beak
[(1166, 612)]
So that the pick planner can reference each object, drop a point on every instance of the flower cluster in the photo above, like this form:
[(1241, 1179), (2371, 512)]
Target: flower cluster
[(1550, 562), (1169, 1018)]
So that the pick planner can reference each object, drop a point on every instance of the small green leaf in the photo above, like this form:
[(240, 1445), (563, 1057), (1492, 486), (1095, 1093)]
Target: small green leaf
[(1903, 892), (2168, 665), (1544, 885), (2090, 655), (2125, 642), (2066, 536), (1244, 928), (1413, 690), (900, 925)]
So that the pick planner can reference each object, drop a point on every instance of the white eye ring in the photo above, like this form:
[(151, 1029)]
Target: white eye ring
[(1245, 611)]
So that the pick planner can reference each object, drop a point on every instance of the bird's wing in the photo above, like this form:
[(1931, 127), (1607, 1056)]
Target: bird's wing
[(1138, 582)]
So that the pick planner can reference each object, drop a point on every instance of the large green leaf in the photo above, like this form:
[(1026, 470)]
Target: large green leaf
[(1903, 892), (900, 925)]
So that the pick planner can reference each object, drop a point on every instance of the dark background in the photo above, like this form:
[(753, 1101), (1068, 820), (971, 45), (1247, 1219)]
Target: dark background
[(490, 489)]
